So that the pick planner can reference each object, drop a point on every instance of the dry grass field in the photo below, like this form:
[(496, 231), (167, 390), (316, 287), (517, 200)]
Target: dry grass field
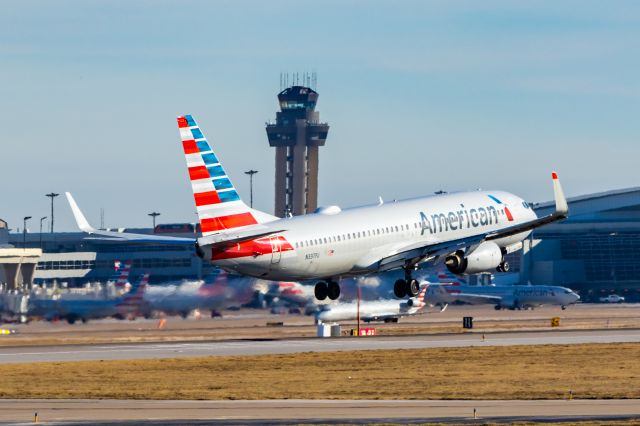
[(519, 372)]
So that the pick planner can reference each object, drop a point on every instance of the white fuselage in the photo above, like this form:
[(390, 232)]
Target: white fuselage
[(505, 296), (352, 241), (369, 311)]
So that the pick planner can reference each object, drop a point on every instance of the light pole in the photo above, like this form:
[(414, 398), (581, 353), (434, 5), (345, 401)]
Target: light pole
[(52, 196), (154, 215), (24, 231), (41, 219), (251, 173)]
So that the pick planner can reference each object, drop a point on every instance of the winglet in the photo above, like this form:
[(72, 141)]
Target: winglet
[(562, 209), (81, 221)]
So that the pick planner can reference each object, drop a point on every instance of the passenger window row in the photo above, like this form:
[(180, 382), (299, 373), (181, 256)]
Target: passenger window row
[(355, 235)]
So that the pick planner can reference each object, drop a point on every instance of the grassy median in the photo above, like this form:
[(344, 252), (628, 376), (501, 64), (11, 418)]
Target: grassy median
[(517, 372)]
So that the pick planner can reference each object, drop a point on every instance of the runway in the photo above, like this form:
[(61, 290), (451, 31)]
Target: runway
[(58, 353), (310, 411)]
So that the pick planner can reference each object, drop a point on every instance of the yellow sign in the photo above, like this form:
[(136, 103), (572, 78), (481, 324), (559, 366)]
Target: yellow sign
[(555, 322)]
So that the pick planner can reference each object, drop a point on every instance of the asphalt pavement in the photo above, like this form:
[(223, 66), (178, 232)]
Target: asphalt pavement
[(310, 411), (59, 353)]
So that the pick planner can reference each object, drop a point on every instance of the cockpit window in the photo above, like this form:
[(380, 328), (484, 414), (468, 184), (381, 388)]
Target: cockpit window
[(525, 205)]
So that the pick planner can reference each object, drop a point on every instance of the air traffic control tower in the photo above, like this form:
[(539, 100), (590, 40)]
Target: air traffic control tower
[(297, 134)]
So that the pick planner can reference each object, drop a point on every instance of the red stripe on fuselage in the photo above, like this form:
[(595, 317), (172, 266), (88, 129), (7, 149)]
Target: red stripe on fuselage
[(227, 222), (253, 248), (206, 198), (198, 172), (190, 147)]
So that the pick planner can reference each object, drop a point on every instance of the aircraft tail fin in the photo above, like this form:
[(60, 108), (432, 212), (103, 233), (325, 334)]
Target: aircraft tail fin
[(219, 276), (419, 302), (123, 273), (134, 297), (218, 204)]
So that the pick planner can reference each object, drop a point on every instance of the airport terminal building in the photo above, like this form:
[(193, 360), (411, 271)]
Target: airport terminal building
[(72, 258), (596, 251)]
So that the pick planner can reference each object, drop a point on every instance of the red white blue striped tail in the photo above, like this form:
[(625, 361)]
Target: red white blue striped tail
[(420, 299), (123, 273), (217, 201)]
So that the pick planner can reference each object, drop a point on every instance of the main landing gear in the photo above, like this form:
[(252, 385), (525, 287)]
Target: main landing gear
[(407, 287), (330, 289), (503, 266)]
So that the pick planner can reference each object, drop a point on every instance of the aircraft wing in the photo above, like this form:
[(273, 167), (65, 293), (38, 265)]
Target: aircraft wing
[(420, 252), (111, 236)]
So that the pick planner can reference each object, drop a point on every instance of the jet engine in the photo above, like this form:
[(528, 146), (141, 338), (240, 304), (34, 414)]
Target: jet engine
[(486, 257)]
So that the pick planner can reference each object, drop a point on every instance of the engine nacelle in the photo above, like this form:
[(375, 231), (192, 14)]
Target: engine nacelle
[(485, 258)]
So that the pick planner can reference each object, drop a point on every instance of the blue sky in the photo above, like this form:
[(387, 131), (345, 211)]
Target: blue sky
[(420, 96)]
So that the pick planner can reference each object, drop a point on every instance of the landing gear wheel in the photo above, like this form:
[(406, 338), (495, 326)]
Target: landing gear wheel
[(400, 289), (503, 267), (413, 288), (333, 290), (321, 290)]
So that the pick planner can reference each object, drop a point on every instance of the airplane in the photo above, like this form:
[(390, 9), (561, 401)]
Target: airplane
[(470, 232), (84, 309), (290, 292), (502, 296), (215, 293), (382, 310)]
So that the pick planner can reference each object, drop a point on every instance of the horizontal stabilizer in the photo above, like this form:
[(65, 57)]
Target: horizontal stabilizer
[(254, 232)]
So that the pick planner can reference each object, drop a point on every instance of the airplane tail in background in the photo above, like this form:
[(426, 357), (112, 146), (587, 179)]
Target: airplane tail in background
[(419, 302), (123, 272), (133, 299), (446, 277), (217, 201), (218, 277)]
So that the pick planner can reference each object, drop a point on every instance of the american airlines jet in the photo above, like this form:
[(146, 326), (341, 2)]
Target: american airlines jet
[(469, 231)]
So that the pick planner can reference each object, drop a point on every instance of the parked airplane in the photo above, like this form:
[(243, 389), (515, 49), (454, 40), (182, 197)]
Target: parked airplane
[(470, 231), (86, 308), (290, 292), (383, 310), (214, 293), (502, 296)]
